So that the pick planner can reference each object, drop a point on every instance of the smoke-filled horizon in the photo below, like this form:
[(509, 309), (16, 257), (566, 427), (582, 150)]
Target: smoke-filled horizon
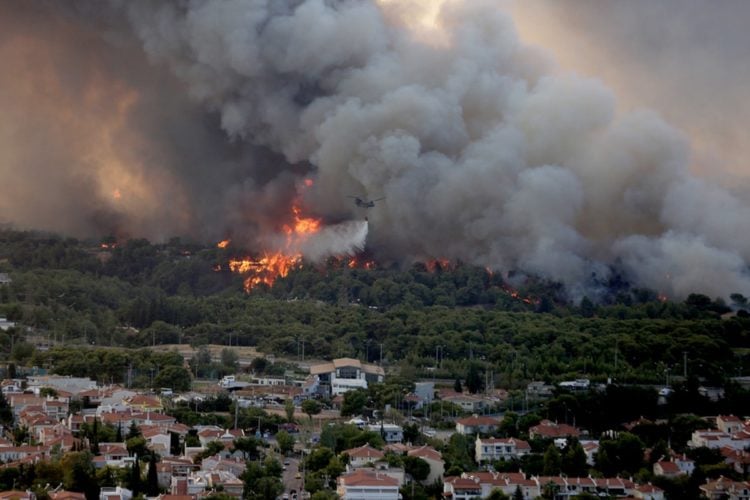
[(204, 118)]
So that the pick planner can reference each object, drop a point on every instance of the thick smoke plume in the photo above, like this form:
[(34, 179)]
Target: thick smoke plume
[(201, 117)]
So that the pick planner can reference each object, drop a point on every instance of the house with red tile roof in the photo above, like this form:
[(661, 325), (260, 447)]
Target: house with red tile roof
[(667, 468), (648, 492), (17, 495), (738, 459), (363, 484), (476, 424), (13, 453), (553, 430), (365, 454), (67, 495), (480, 484), (725, 489), (144, 403), (729, 423), (433, 458)]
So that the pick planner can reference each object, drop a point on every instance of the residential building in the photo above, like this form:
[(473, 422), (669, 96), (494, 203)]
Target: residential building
[(648, 492), (17, 495), (476, 424), (467, 402), (433, 458), (363, 484), (6, 325), (472, 485), (539, 389), (553, 430), (738, 459), (425, 391), (491, 449), (200, 481), (115, 493), (144, 403), (67, 495), (726, 489), (729, 424), (60, 382), (363, 455), (590, 448), (667, 468), (391, 433), (711, 438), (344, 374)]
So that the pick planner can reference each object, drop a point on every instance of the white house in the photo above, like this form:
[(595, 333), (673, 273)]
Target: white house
[(364, 455), (363, 484), (344, 374), (729, 424), (491, 449), (476, 424), (115, 492), (391, 433)]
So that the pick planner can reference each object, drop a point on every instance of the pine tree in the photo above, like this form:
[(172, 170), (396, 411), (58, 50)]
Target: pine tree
[(6, 413), (152, 480), (135, 477), (174, 443), (94, 439), (133, 430), (118, 436), (457, 386), (552, 461)]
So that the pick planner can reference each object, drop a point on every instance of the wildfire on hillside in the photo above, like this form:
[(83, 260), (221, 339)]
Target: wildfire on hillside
[(515, 294), (357, 263), (433, 265), (277, 263)]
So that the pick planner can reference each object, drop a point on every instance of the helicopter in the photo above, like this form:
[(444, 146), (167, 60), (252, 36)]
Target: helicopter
[(364, 203)]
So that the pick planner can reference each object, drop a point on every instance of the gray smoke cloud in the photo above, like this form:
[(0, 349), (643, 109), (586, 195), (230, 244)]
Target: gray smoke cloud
[(484, 152)]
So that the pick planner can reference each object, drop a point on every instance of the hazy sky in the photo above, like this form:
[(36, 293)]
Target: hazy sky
[(562, 138)]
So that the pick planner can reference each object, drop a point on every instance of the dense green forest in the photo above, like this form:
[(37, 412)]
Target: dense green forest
[(436, 320)]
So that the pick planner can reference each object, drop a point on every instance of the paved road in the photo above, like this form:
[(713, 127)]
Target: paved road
[(289, 476)]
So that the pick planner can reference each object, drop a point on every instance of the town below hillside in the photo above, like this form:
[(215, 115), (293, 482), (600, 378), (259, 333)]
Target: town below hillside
[(139, 370)]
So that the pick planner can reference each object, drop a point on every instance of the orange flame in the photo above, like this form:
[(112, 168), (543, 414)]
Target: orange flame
[(223, 243), (515, 294), (264, 270), (433, 265), (355, 263), (116, 194), (277, 264), (302, 225)]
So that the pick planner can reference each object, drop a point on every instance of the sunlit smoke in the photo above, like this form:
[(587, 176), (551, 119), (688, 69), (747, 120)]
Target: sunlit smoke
[(260, 119)]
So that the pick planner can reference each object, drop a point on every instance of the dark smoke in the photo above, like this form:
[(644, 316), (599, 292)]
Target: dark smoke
[(206, 116)]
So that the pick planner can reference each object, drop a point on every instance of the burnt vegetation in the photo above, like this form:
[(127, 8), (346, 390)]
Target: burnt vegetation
[(136, 294)]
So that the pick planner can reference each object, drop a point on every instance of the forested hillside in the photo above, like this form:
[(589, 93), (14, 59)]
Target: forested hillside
[(518, 329)]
